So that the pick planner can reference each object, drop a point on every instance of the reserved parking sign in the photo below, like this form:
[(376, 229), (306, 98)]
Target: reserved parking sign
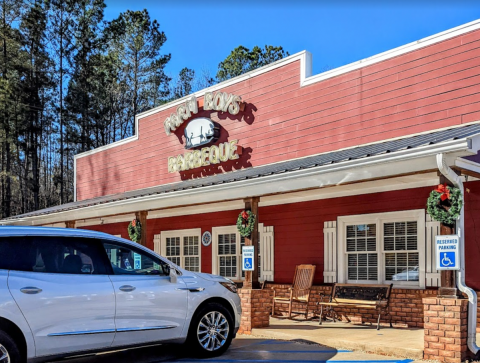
[(447, 250), (247, 258)]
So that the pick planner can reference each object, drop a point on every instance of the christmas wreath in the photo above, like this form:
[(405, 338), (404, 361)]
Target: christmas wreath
[(444, 204), (246, 223), (135, 230)]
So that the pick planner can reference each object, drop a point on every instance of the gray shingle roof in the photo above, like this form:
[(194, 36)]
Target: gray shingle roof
[(355, 153)]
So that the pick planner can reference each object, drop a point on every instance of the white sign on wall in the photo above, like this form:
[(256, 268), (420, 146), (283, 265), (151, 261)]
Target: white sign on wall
[(447, 250), (247, 258)]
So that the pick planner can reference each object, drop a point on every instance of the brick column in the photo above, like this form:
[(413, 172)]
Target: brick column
[(256, 307), (445, 329)]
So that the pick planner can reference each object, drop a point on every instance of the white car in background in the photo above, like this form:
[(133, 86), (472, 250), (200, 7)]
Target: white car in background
[(67, 292)]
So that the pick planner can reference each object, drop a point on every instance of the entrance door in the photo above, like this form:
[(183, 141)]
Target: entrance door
[(61, 286), (149, 306)]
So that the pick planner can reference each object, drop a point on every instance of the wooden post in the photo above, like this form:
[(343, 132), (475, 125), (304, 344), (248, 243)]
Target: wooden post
[(70, 224), (142, 217), (447, 287), (251, 277)]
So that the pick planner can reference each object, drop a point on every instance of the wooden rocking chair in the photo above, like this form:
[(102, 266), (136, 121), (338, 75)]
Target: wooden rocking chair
[(300, 290)]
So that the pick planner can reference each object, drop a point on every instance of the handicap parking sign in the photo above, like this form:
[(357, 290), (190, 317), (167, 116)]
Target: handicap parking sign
[(447, 252), (247, 258), (447, 259), (137, 261)]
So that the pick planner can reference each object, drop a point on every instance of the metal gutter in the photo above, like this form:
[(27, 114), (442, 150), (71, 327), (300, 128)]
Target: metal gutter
[(460, 275)]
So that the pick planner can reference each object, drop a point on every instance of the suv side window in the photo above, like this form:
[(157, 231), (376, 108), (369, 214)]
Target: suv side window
[(68, 255), (126, 260)]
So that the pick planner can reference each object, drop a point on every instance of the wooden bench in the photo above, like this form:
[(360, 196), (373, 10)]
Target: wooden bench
[(356, 296)]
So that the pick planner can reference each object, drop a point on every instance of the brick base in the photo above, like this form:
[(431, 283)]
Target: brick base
[(445, 329), (256, 307)]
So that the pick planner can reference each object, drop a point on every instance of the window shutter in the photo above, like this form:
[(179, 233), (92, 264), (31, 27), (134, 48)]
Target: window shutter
[(157, 244), (267, 250), (432, 229), (330, 252)]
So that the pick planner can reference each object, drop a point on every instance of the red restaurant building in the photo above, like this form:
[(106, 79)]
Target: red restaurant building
[(340, 163)]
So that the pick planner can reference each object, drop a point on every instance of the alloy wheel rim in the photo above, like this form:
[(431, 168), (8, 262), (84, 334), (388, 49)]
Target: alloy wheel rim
[(212, 331), (4, 356)]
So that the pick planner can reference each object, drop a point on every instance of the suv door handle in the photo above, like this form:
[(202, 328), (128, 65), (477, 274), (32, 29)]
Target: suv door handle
[(30, 290), (127, 288)]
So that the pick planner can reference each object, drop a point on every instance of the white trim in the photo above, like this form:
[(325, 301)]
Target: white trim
[(197, 209), (74, 178), (104, 220), (306, 77), (467, 165), (378, 219), (386, 165), (330, 251), (432, 229), (410, 47), (225, 230), (267, 253), (181, 233)]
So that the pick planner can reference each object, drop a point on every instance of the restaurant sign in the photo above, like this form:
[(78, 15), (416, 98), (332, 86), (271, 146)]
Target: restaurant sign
[(220, 101), (205, 156), (200, 131)]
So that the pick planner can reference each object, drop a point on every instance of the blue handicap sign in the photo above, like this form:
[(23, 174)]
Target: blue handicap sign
[(447, 259), (247, 263)]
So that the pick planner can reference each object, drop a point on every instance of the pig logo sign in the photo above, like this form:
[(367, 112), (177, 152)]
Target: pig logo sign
[(200, 131)]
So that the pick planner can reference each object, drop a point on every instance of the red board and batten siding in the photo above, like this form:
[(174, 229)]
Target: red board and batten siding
[(433, 87), (298, 227)]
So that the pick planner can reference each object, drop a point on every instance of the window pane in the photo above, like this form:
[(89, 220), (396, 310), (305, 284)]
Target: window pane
[(362, 266), (227, 244), (401, 237), (126, 260), (361, 237), (53, 255)]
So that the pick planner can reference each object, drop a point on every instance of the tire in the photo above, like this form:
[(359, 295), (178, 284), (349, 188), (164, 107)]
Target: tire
[(209, 339), (9, 352)]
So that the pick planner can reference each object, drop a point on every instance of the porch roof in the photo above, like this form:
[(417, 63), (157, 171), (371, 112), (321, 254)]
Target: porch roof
[(316, 163)]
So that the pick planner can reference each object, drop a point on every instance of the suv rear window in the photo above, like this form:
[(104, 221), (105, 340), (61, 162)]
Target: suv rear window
[(70, 255)]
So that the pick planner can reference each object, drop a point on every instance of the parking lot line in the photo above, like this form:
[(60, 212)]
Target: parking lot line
[(291, 361), (295, 351)]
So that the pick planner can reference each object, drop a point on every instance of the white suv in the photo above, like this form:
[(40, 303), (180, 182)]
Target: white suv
[(69, 291)]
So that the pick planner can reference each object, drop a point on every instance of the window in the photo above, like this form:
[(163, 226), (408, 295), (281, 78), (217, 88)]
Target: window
[(182, 247), (382, 248), (68, 255), (227, 253), (126, 260), (400, 243), (361, 242)]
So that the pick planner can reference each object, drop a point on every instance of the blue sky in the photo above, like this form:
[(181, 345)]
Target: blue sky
[(202, 33)]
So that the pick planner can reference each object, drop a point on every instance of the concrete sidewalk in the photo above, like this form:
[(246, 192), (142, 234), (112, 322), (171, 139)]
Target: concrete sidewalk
[(399, 342)]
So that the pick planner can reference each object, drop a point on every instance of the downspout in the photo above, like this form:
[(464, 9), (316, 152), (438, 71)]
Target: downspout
[(460, 274)]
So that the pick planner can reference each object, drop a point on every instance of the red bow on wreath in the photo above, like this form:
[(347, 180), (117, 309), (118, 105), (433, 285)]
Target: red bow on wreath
[(444, 192), (244, 215), (134, 223)]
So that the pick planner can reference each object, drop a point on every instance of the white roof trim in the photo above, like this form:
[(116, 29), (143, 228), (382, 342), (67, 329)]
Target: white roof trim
[(306, 77), (386, 165), (467, 165)]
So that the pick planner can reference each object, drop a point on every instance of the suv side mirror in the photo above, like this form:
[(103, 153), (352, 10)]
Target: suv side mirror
[(173, 275)]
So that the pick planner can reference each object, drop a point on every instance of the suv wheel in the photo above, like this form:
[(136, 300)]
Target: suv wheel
[(211, 331), (8, 349)]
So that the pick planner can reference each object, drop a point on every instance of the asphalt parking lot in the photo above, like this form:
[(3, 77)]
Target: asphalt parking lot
[(243, 350)]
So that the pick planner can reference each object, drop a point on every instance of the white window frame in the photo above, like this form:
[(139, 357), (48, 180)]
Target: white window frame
[(195, 232), (232, 230), (226, 230), (378, 219)]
